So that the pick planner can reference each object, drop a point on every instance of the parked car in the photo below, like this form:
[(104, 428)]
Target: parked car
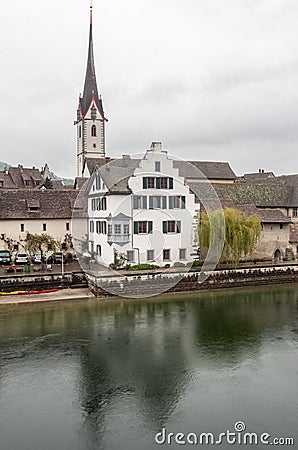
[(5, 257), (21, 258), (36, 259)]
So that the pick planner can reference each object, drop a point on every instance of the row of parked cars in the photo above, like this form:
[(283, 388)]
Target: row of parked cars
[(22, 258)]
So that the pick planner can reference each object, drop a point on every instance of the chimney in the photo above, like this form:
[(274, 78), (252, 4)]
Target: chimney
[(156, 146), (260, 170)]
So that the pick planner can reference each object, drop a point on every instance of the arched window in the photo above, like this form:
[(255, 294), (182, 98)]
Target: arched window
[(93, 131)]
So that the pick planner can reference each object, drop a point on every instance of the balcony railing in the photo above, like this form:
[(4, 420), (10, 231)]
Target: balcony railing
[(118, 238)]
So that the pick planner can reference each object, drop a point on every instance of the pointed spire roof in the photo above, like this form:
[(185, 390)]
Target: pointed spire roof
[(90, 93)]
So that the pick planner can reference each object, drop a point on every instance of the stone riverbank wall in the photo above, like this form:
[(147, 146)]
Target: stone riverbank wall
[(9, 283), (141, 285)]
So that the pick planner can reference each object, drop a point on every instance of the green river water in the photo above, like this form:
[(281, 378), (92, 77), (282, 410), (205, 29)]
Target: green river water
[(123, 375)]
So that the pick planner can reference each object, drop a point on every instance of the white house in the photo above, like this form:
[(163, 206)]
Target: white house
[(141, 209)]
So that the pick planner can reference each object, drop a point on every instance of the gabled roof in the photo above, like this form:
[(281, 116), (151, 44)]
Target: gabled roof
[(263, 195), (25, 204), (190, 170), (21, 177), (258, 175), (213, 170)]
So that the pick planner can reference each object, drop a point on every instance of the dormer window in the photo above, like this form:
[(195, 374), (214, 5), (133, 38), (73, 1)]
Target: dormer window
[(93, 131)]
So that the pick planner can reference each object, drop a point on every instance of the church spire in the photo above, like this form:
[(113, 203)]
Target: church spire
[(90, 86), (90, 116)]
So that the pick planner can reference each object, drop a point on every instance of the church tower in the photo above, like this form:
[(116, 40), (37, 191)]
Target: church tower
[(91, 120)]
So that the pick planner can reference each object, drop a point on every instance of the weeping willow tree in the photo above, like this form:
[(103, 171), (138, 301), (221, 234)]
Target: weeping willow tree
[(240, 237)]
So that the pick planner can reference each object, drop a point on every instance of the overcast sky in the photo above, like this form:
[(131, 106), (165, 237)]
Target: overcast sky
[(211, 79)]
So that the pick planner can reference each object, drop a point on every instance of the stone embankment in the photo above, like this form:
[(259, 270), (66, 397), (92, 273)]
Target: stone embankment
[(15, 282), (143, 284)]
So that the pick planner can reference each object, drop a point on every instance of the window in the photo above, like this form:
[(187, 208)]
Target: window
[(110, 229), (1, 183), (182, 253), (150, 255), (44, 227), (93, 204), (177, 202), (80, 131), (164, 183), (117, 229), (27, 183), (126, 228), (157, 182), (130, 255), (157, 166), (150, 182), (166, 254), (143, 227), (67, 225), (97, 181), (139, 202), (91, 226), (157, 202), (101, 203), (93, 131), (295, 212), (22, 227), (94, 145), (171, 226), (281, 225), (101, 227), (98, 250)]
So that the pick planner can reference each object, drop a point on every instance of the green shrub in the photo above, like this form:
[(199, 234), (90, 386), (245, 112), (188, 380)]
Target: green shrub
[(143, 266), (179, 264)]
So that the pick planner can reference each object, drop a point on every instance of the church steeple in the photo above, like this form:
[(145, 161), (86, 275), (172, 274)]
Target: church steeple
[(90, 115)]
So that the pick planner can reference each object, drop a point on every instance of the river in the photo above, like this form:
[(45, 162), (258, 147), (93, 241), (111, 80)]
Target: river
[(123, 375)]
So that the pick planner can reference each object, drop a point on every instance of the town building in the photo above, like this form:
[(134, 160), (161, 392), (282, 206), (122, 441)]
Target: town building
[(36, 211), (142, 210), (24, 177)]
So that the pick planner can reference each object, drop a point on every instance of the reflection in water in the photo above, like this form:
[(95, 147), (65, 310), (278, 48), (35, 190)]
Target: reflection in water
[(111, 374)]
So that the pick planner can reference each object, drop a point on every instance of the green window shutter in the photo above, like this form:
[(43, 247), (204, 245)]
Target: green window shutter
[(170, 183), (171, 202), (183, 201), (136, 227), (145, 182), (144, 202), (150, 202), (157, 182), (135, 202), (164, 202), (150, 226), (178, 226), (164, 226)]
